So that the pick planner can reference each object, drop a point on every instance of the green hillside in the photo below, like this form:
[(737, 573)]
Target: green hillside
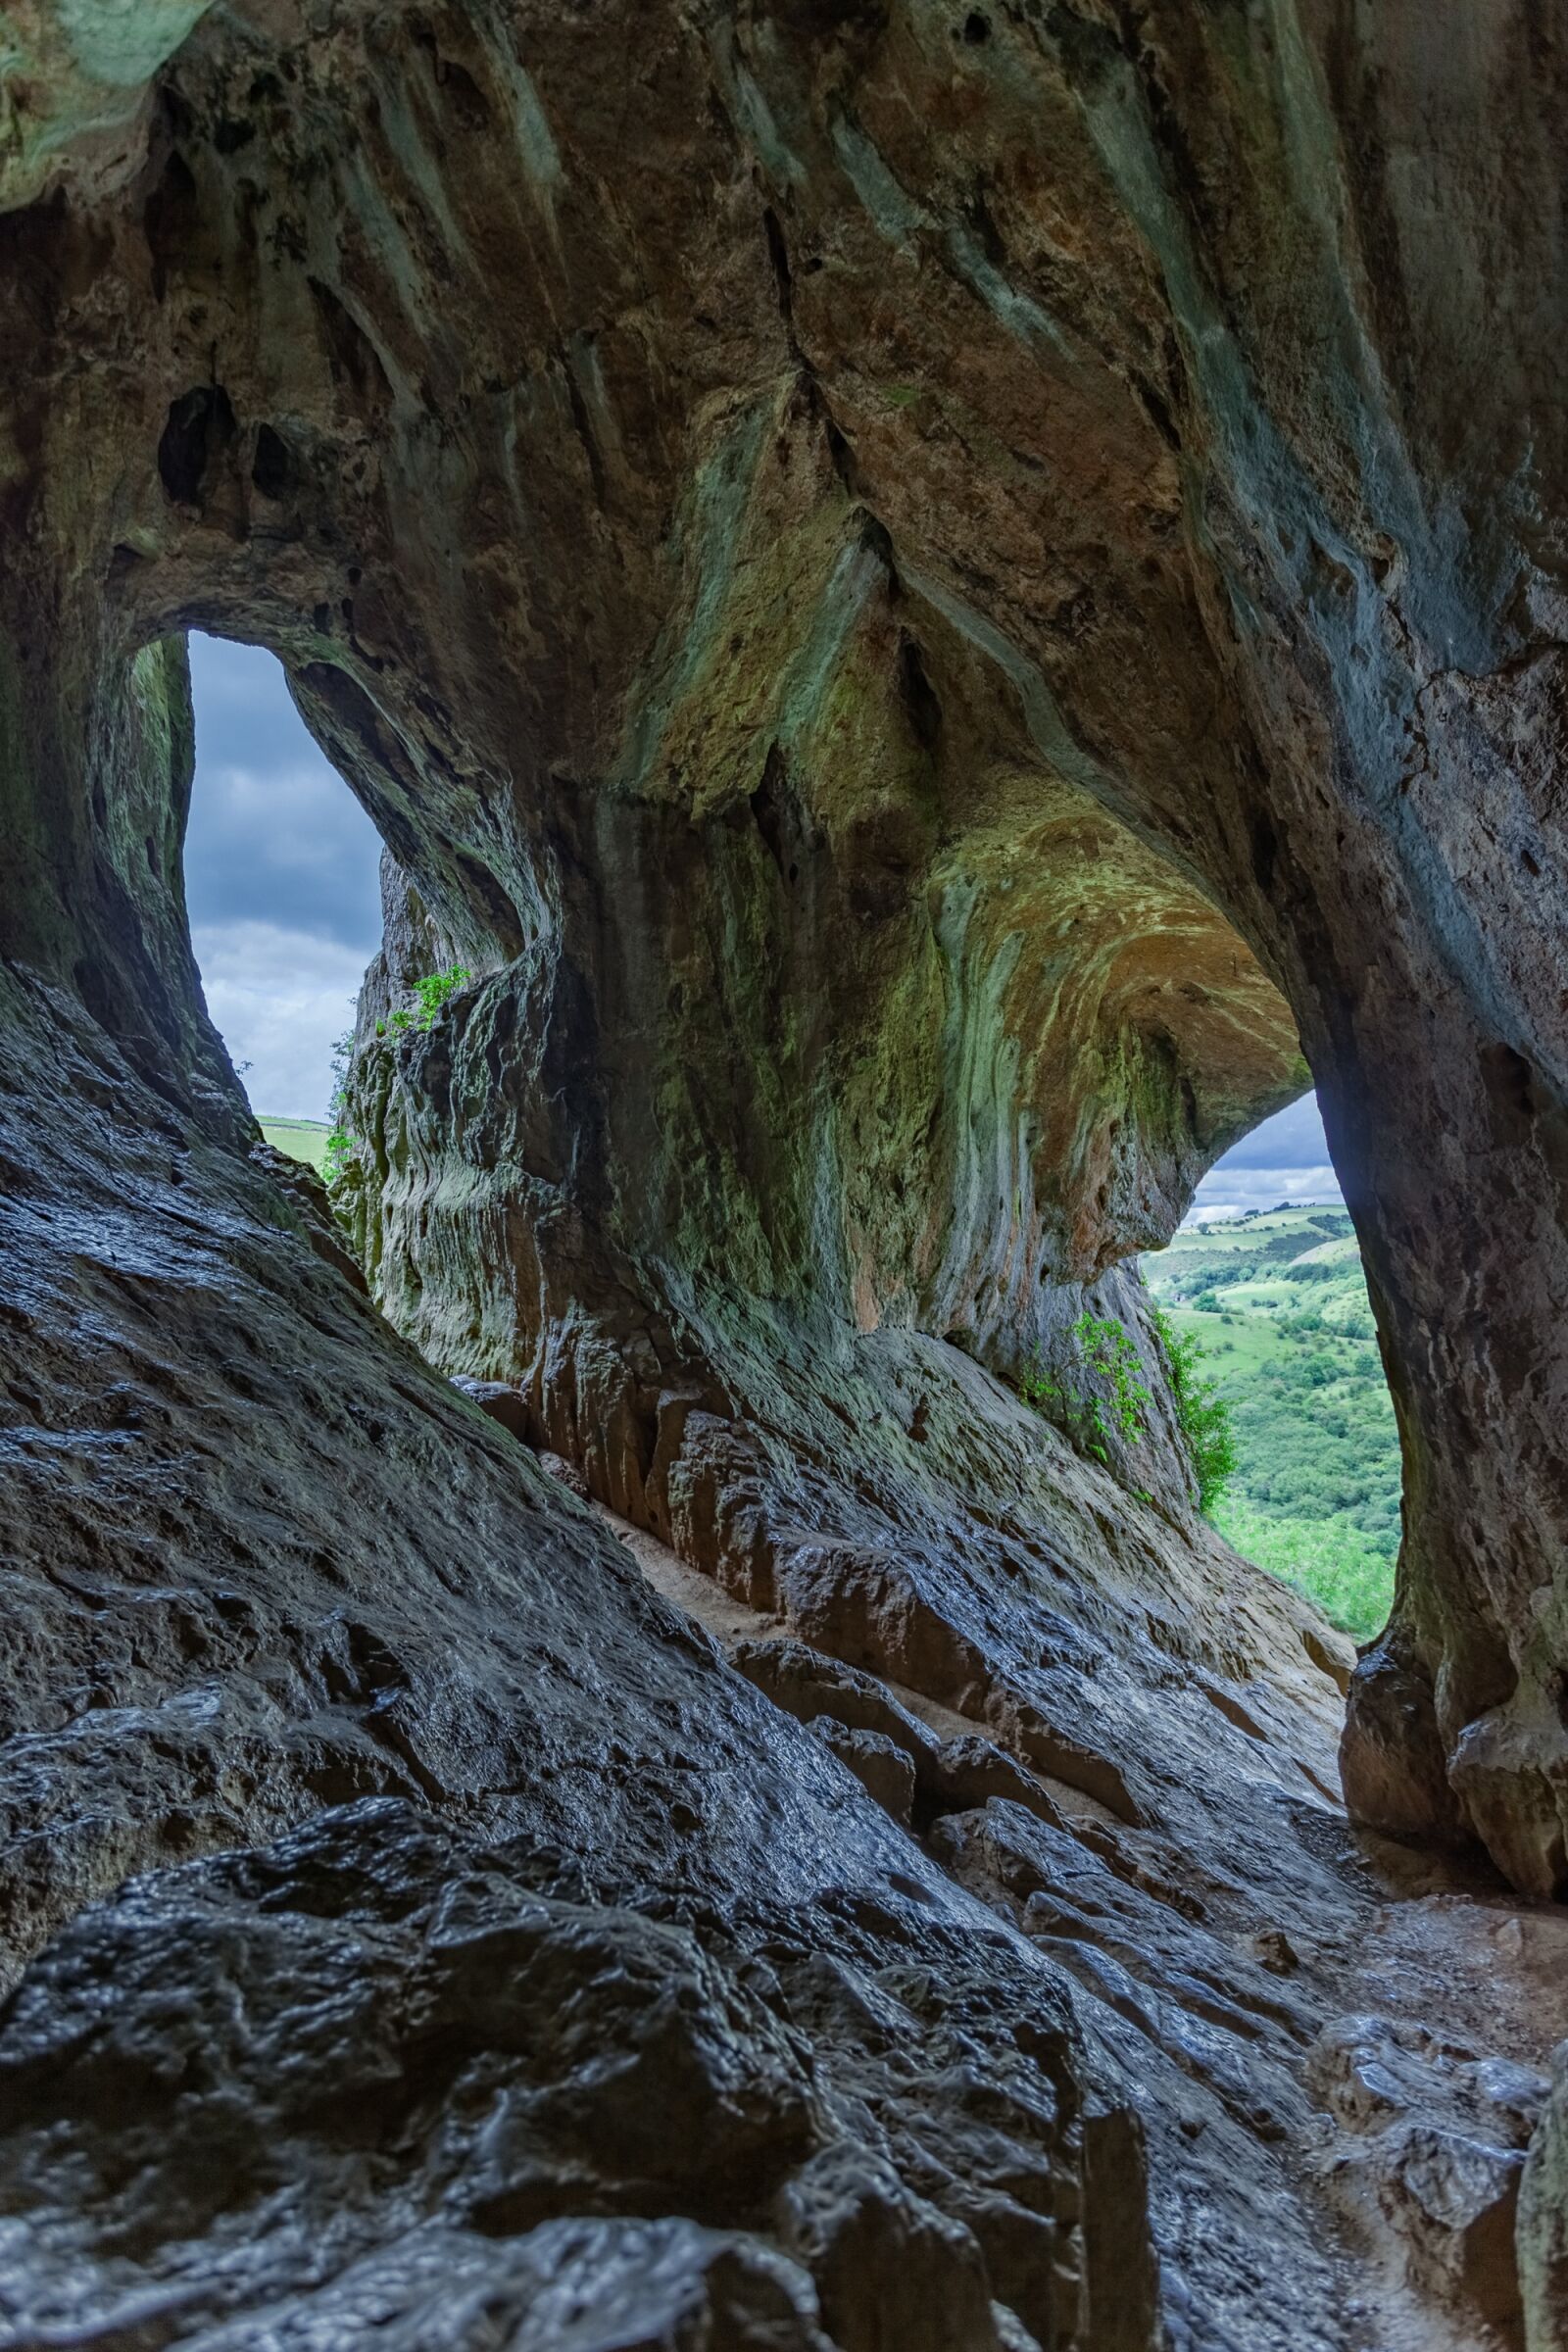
[(1278, 1300), (301, 1138)]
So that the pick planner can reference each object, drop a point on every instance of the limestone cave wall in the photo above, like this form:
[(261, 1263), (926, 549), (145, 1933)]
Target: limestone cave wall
[(941, 607)]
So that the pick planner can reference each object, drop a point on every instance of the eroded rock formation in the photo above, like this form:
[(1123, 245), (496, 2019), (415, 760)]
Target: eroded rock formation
[(925, 599)]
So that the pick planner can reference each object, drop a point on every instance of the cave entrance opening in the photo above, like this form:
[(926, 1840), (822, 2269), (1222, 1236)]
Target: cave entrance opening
[(282, 889), (1265, 1274)]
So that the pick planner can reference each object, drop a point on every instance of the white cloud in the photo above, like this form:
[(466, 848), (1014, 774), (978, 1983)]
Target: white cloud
[(1228, 1191), (279, 997)]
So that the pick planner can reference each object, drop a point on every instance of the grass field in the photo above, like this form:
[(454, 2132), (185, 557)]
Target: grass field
[(1278, 1300), (301, 1138)]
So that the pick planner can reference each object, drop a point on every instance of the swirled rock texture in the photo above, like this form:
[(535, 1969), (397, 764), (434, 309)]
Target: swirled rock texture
[(937, 606)]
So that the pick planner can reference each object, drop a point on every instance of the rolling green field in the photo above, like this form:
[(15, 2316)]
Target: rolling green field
[(1278, 1300), (301, 1138)]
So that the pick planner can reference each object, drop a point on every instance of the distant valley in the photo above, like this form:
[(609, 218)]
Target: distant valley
[(1278, 1300)]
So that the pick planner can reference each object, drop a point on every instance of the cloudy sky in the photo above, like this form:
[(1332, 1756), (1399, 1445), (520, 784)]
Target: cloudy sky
[(281, 877), (282, 874), (1287, 1158)]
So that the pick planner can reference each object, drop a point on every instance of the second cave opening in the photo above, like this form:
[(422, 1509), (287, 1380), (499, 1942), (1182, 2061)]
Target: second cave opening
[(282, 870), (282, 886)]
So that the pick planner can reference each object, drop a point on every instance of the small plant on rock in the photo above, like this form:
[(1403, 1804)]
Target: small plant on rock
[(340, 1143), (1109, 1403), (432, 993), (1202, 1411)]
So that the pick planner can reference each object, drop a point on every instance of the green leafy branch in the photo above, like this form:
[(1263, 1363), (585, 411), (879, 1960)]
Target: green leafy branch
[(340, 1145), (1204, 1415), (1110, 1405), (432, 993)]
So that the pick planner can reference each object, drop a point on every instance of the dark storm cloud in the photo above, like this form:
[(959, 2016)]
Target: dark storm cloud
[(276, 835)]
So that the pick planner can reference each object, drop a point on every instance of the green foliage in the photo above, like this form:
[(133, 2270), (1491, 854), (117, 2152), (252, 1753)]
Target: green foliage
[(1332, 1561), (340, 1144), (1314, 1493), (1203, 1414), (432, 993), (1220, 1278), (1110, 1403)]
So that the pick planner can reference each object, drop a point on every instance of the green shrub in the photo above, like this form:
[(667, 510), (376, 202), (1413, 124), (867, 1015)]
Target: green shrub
[(1110, 1405), (1203, 1416), (432, 993)]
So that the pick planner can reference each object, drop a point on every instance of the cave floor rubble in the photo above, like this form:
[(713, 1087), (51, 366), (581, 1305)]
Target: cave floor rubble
[(1418, 2015)]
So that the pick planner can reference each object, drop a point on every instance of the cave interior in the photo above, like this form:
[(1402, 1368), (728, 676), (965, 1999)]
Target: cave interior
[(941, 611)]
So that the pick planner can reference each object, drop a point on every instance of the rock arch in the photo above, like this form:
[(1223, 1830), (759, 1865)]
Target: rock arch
[(930, 600), (1183, 428)]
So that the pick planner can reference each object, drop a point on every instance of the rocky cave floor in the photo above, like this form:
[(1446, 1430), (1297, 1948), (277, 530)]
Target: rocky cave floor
[(1415, 2001), (421, 1935)]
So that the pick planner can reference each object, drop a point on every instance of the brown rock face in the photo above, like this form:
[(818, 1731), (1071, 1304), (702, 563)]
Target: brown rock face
[(926, 600)]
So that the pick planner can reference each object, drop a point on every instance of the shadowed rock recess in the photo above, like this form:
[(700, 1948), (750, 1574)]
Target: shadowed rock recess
[(942, 609)]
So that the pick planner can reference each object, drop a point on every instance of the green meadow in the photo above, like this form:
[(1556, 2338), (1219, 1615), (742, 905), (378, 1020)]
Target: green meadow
[(1278, 1300), (301, 1138)]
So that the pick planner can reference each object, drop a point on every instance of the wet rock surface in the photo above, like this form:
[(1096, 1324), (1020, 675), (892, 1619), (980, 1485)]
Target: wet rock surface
[(392, 2041), (1443, 2136), (1336, 2051), (411, 1918), (959, 560), (923, 602)]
